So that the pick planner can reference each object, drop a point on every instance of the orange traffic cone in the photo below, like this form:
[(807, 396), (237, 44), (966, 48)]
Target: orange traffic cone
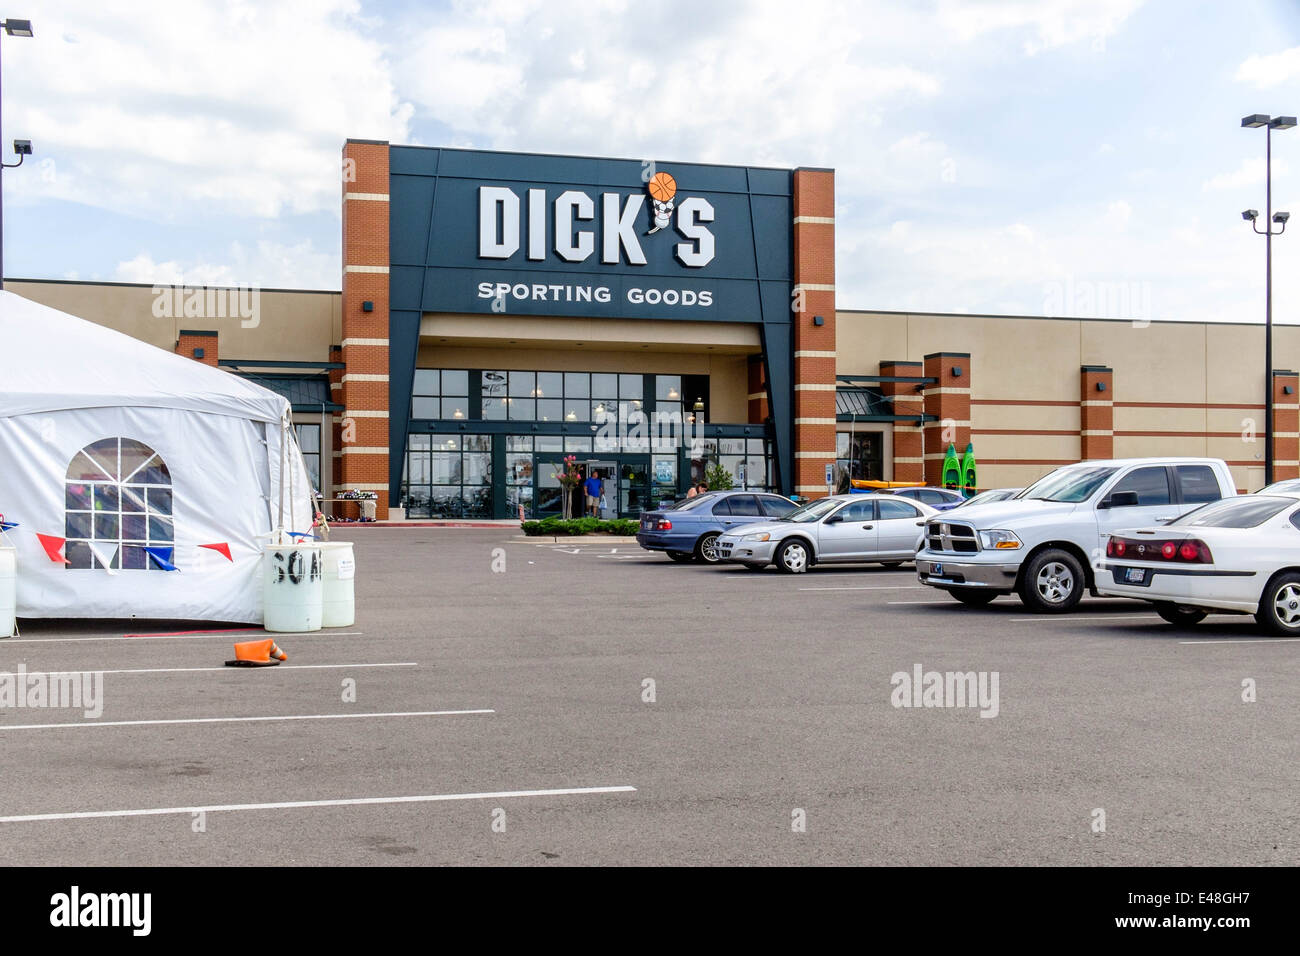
[(257, 654)]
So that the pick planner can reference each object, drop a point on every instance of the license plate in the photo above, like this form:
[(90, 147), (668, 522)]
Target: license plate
[(1135, 575)]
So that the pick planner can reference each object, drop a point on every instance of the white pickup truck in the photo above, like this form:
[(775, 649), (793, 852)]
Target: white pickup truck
[(1043, 543)]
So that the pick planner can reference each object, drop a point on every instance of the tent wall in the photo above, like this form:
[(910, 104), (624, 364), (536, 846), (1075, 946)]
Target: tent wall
[(223, 470)]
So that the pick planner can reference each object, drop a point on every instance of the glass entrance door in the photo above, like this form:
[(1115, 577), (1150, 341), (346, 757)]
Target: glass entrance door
[(548, 493), (633, 485), (607, 471)]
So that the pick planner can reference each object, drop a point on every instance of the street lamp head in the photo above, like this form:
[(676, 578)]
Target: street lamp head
[(18, 28), (1250, 215), (1255, 120), (22, 147), (1282, 122), (1281, 217)]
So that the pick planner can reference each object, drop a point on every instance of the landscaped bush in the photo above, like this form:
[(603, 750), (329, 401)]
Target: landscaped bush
[(560, 527)]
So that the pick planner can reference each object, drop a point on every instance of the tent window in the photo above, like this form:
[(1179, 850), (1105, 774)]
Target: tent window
[(117, 502)]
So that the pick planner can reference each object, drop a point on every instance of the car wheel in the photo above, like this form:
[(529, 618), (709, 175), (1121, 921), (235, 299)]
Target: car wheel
[(1053, 582), (1177, 614), (1279, 607), (891, 564), (706, 549), (681, 557), (793, 557), (973, 596)]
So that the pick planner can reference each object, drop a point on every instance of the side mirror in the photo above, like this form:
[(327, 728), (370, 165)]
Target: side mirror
[(1120, 499), (833, 519)]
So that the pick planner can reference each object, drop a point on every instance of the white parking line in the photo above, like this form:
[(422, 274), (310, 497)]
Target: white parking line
[(190, 670), (880, 587), (246, 636), (302, 804), (1262, 640), (240, 720)]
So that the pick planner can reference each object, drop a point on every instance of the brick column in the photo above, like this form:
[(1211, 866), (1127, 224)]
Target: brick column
[(364, 445), (814, 345), (905, 399), (1096, 412), (948, 400), (198, 345), (758, 407), (1286, 425)]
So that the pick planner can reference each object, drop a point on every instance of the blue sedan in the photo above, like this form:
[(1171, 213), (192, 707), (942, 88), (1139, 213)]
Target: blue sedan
[(941, 498), (688, 529)]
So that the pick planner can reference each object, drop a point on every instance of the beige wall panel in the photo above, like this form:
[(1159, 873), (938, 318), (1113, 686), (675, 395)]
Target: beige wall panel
[(1032, 417), (1011, 476), (1230, 419), (293, 326), (1159, 419), (1023, 446), (863, 340), (1149, 447)]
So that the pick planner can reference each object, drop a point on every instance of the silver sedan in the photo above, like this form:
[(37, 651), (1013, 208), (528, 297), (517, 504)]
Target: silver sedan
[(842, 528)]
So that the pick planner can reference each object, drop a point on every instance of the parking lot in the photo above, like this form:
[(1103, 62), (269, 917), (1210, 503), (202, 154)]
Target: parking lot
[(584, 702)]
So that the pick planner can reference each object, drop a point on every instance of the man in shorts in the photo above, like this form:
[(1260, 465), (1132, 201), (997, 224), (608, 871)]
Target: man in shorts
[(593, 486)]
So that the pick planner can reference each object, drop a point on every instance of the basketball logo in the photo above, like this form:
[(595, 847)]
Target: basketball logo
[(662, 188)]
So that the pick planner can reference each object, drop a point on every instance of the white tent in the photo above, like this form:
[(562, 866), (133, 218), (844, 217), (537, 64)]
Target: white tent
[(129, 460)]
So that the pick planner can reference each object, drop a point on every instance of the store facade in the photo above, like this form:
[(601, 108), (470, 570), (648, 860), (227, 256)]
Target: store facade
[(508, 318)]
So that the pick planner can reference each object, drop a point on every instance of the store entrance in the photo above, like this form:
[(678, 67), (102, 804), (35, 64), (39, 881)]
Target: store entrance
[(626, 480)]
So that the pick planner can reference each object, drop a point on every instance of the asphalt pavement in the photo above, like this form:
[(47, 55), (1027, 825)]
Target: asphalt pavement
[(526, 701)]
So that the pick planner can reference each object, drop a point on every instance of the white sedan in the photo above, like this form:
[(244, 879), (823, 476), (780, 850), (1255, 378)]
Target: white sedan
[(841, 528), (1238, 554)]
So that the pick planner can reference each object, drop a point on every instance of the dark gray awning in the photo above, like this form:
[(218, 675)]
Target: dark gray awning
[(306, 393)]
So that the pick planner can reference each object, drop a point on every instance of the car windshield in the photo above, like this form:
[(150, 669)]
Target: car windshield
[(1244, 511), (1068, 484), (812, 511), (1290, 484)]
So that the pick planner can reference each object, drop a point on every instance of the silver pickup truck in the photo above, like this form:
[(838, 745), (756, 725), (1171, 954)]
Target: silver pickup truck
[(1043, 543)]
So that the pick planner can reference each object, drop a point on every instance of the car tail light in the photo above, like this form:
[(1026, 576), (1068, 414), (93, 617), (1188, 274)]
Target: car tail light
[(665, 525), (1191, 551)]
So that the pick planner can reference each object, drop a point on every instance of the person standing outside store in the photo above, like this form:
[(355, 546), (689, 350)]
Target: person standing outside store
[(594, 487)]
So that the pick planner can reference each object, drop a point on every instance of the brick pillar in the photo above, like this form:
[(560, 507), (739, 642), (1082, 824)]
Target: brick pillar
[(814, 345), (1096, 412), (758, 407), (905, 399), (948, 401), (198, 345), (1286, 425), (364, 445)]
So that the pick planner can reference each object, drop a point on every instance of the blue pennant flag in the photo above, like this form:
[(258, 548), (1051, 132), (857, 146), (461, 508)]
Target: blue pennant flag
[(302, 534), (162, 557), (8, 525)]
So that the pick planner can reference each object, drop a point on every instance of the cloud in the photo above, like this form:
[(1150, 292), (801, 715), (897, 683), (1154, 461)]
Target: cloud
[(1043, 24), (1249, 173), (266, 265), (1265, 71), (195, 109)]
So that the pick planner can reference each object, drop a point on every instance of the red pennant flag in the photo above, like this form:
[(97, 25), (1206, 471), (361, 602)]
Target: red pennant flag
[(53, 546), (222, 548)]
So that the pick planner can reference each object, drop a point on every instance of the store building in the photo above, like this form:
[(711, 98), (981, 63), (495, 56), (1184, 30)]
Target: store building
[(502, 311)]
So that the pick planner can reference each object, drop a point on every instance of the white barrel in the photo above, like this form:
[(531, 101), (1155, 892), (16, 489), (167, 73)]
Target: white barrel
[(8, 587), (292, 587), (339, 607)]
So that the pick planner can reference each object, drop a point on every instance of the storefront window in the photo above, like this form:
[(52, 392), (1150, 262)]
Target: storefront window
[(440, 393), (448, 476), (860, 455)]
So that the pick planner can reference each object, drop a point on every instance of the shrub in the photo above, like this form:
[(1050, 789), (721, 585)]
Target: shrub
[(718, 478), (562, 527)]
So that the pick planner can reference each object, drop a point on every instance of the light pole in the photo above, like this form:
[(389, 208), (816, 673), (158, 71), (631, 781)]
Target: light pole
[(1270, 123), (15, 28)]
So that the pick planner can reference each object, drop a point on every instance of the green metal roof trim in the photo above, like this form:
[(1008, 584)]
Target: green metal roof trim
[(306, 393), (861, 402)]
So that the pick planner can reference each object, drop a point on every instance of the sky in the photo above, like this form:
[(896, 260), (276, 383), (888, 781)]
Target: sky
[(1022, 157)]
